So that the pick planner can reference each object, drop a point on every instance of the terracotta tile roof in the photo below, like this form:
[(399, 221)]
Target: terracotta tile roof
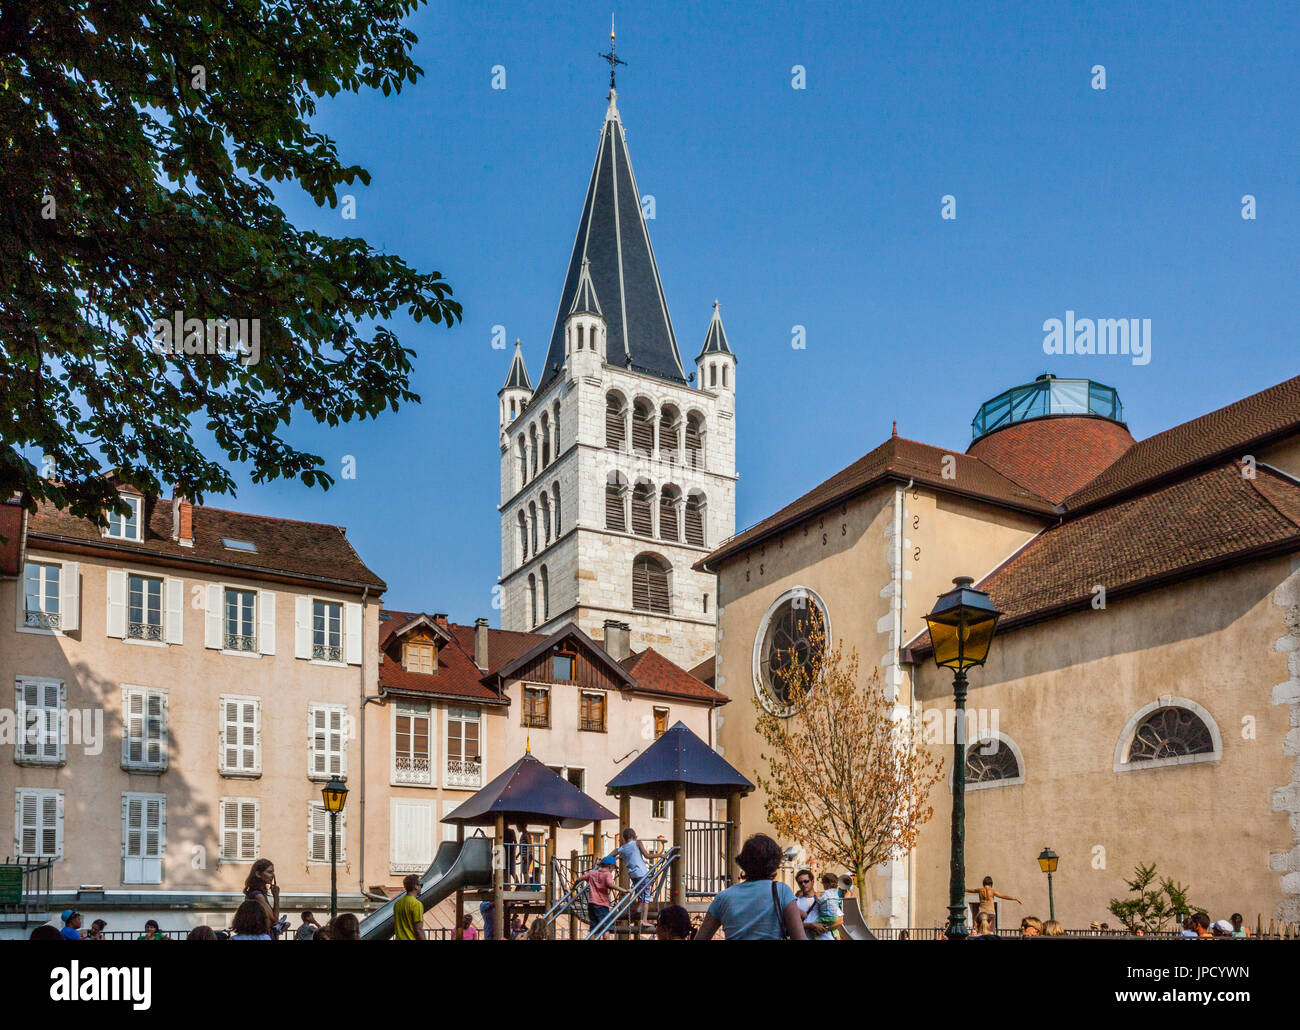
[(1053, 456), (655, 674), (1221, 435), (310, 550), (897, 459), (706, 670), (457, 675), (1211, 519)]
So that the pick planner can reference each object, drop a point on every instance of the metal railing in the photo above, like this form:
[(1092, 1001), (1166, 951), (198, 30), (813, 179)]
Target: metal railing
[(34, 878), (240, 642), (42, 620), (464, 772), (144, 631), (327, 652), (649, 888), (706, 857), (524, 864)]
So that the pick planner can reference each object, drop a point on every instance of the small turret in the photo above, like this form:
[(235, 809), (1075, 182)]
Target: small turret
[(517, 391), (716, 363), (585, 332)]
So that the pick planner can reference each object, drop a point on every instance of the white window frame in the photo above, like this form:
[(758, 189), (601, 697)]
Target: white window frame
[(240, 808), (50, 747), (239, 770), (171, 611), (254, 617), (39, 796), (326, 773), (982, 739), (131, 735), (659, 818), (141, 868), (313, 809), (69, 598), (1125, 742), (459, 712), (214, 624), (406, 854), (430, 714), (351, 616), (114, 520)]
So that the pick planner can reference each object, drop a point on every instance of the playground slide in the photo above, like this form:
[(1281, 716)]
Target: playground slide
[(855, 927), (455, 866)]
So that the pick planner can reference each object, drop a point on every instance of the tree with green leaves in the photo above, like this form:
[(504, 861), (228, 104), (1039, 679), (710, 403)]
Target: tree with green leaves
[(141, 142), (1154, 907)]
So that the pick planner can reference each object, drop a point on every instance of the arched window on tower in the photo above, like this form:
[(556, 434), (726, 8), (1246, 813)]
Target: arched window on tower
[(695, 511), (532, 526), (670, 500), (546, 517), (643, 428), (555, 422), (521, 445), (532, 598), (616, 502), (643, 500), (546, 594), (615, 421), (651, 584), (724, 377), (713, 374), (546, 439), (695, 440), (556, 493), (670, 431), (532, 445), (523, 537)]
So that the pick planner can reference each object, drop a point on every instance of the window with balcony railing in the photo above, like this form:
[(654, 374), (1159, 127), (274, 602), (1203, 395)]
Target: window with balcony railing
[(327, 631), (144, 608), (41, 596), (537, 707), (464, 755), (241, 620), (411, 762), (591, 712)]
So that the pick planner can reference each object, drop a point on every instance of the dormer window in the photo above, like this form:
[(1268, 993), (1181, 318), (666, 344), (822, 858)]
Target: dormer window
[(564, 663), (126, 527), (418, 658)]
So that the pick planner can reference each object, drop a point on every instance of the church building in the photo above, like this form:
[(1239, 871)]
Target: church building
[(618, 468)]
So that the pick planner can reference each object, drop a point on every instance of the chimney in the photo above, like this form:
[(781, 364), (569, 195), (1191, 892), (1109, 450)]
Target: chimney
[(617, 639), (182, 519), (481, 644), (441, 619)]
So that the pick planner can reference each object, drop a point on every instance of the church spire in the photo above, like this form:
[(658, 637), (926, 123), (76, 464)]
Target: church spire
[(715, 340), (517, 377), (614, 241), (584, 298)]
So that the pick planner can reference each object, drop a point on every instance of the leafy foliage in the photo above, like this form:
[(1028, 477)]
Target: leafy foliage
[(140, 141), (848, 774), (1153, 908)]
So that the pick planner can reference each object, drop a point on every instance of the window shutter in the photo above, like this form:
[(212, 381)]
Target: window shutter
[(266, 621), (132, 727), (158, 735), (667, 516), (642, 513), (695, 520), (327, 748), (213, 630), (352, 634), (615, 423), (302, 627), (58, 824), (650, 586), (175, 590), (116, 609), (69, 595), (229, 815), (643, 431)]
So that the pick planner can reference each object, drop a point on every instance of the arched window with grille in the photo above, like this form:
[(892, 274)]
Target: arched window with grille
[(546, 439), (546, 594), (1168, 731), (695, 440), (643, 428), (616, 502), (993, 760), (532, 598), (546, 518), (670, 431), (523, 537), (652, 584), (643, 500), (670, 501), (615, 421), (695, 511), (556, 494)]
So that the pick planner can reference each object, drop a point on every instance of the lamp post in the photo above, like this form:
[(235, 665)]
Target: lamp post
[(961, 630), (1047, 863), (335, 795)]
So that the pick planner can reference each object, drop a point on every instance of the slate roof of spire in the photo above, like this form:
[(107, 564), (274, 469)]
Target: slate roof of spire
[(715, 340), (585, 300), (517, 377), (613, 237)]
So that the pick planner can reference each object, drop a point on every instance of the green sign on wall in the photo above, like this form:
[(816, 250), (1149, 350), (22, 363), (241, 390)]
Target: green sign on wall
[(11, 884)]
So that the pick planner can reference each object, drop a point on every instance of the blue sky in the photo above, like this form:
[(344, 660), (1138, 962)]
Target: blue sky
[(818, 207)]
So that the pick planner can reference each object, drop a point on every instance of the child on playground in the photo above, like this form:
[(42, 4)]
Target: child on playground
[(636, 858), (600, 881), (829, 913)]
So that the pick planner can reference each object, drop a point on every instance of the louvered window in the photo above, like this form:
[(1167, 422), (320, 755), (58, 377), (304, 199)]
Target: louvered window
[(327, 743), (523, 538), (643, 429), (532, 527), (615, 422), (695, 441), (39, 739), (643, 499), (546, 594), (144, 729), (318, 834), (669, 430), (557, 511), (144, 837), (650, 585), (38, 823), (240, 823), (669, 500), (241, 736), (546, 517), (695, 520), (546, 441), (616, 507), (522, 447)]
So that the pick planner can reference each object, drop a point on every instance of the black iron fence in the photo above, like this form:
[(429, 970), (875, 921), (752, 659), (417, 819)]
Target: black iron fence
[(706, 857)]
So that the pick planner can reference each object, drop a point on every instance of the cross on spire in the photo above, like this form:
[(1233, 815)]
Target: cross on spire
[(612, 57)]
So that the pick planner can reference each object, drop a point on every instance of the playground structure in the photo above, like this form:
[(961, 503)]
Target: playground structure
[(457, 866)]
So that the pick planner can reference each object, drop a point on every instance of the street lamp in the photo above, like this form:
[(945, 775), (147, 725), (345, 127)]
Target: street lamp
[(961, 630), (335, 795), (1047, 863)]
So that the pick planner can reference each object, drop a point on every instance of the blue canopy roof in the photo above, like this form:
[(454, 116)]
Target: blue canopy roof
[(529, 792), (679, 757)]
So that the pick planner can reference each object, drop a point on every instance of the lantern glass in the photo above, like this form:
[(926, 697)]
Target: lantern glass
[(1047, 860), (335, 795), (961, 626)]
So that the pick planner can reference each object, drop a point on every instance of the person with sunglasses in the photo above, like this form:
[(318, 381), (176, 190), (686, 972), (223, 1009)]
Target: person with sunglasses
[(805, 896)]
